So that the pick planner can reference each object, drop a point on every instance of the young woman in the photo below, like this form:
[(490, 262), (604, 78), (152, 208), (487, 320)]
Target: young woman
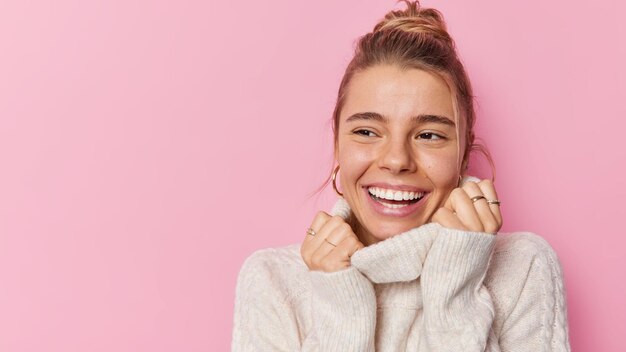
[(410, 258)]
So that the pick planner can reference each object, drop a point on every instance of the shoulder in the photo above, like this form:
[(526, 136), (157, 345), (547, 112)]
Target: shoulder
[(521, 261), (522, 241), (275, 256), (516, 253), (279, 270), (520, 251), (268, 312)]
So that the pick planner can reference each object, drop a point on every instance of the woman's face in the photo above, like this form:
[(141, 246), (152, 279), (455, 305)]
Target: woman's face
[(397, 149)]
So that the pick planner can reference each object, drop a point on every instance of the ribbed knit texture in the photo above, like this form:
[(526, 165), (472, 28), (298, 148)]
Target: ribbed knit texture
[(428, 289)]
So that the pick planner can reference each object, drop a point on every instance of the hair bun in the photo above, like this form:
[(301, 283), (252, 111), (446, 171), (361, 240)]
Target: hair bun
[(414, 19)]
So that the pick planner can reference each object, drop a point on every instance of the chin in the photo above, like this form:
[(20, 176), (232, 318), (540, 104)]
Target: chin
[(382, 232)]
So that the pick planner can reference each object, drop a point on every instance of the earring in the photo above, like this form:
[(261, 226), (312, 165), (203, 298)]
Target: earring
[(460, 180), (334, 182)]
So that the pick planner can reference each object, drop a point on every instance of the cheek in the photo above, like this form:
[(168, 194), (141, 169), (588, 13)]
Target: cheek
[(354, 161), (440, 168)]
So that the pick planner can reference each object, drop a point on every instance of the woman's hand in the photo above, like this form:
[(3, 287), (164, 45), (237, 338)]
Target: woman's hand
[(332, 244), (459, 212)]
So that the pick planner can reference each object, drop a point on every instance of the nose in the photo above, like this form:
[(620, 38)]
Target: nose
[(397, 157)]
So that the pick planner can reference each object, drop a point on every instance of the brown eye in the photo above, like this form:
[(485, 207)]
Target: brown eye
[(366, 133), (431, 136)]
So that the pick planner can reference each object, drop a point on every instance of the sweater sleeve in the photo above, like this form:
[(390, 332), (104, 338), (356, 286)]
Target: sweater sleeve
[(538, 321), (343, 310), (264, 319), (458, 311)]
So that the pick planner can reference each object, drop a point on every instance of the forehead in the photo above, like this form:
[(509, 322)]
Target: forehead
[(398, 94)]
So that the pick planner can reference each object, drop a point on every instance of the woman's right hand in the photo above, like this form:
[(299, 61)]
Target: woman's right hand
[(332, 245)]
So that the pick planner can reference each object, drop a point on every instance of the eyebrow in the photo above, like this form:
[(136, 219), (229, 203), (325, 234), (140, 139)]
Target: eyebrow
[(421, 118)]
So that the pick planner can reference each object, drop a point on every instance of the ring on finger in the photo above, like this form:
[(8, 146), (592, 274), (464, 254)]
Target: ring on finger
[(495, 201), (474, 199), (332, 244), (310, 231)]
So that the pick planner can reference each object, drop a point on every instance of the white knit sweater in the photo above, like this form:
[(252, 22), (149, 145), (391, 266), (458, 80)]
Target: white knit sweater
[(428, 289)]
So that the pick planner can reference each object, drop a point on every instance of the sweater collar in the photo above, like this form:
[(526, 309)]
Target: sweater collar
[(400, 257), (395, 259)]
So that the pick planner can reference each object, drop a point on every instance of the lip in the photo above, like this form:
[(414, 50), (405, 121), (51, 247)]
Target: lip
[(405, 211), (407, 188)]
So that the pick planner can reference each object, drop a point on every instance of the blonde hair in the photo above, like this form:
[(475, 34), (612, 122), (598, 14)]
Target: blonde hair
[(416, 38)]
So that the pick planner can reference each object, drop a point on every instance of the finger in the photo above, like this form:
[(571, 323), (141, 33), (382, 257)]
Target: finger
[(329, 236), (446, 218), (339, 257), (319, 239), (320, 219), (339, 234), (312, 242), (353, 244), (465, 210), (489, 190), (487, 219), (448, 202)]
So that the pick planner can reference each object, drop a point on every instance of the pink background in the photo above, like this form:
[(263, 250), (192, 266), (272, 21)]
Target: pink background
[(148, 147)]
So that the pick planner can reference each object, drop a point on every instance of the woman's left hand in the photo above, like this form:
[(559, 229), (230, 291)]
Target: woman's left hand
[(459, 212)]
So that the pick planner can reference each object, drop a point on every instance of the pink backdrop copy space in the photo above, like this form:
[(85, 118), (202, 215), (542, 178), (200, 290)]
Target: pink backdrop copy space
[(149, 147)]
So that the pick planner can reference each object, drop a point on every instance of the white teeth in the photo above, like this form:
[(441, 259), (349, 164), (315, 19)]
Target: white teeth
[(394, 195)]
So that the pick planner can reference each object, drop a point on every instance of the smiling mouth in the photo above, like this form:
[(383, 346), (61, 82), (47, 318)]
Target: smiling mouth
[(394, 200)]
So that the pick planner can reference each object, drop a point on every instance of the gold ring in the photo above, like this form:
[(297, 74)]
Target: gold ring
[(332, 244), (495, 201), (474, 199), (310, 231)]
